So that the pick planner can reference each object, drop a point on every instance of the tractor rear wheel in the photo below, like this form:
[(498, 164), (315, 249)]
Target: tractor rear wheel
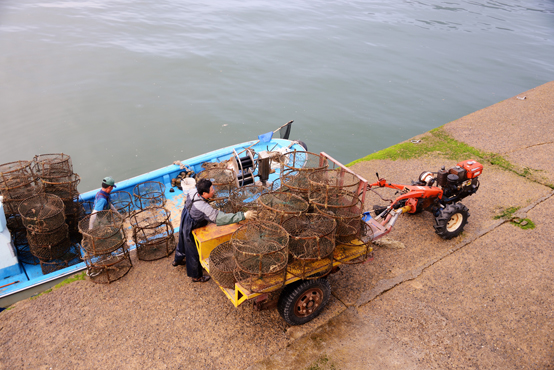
[(451, 220), (303, 301)]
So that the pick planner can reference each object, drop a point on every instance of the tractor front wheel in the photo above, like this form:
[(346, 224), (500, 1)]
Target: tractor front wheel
[(303, 301), (451, 220)]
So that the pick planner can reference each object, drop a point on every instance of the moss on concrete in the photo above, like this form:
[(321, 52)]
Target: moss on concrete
[(323, 363), (523, 223), (69, 280), (438, 142)]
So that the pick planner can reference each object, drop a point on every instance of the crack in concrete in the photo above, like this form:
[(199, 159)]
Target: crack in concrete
[(529, 146), (387, 284), (340, 300)]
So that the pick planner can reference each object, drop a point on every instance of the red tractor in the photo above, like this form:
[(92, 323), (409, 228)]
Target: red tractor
[(437, 192)]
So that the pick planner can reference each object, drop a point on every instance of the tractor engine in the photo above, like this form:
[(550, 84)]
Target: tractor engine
[(456, 183)]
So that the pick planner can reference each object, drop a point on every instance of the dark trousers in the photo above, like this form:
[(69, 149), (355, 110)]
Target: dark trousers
[(187, 247)]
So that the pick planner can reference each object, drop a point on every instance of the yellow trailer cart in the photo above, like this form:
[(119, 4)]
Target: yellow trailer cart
[(298, 300)]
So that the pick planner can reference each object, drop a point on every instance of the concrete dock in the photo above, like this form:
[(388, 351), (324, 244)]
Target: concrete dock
[(482, 300)]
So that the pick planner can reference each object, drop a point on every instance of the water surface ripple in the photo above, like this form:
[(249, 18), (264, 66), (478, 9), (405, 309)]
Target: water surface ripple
[(126, 87)]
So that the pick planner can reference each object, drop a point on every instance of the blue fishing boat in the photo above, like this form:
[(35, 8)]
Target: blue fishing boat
[(20, 280)]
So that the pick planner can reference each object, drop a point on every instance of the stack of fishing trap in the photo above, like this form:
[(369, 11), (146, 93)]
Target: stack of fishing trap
[(153, 233), (58, 178), (17, 183), (296, 167), (260, 250), (311, 245), (47, 232), (105, 245), (336, 194)]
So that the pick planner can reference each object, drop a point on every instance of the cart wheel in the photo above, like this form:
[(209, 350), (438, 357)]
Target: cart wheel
[(302, 302), (451, 220)]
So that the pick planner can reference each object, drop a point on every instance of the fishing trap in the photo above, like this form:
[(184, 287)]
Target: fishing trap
[(122, 202), (153, 233), (261, 254), (102, 232), (42, 213), (223, 265), (149, 194), (311, 244), (109, 267), (355, 249), (53, 166), (278, 206), (246, 198), (47, 246), (296, 167)]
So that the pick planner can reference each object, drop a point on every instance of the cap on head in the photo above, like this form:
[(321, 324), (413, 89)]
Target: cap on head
[(109, 181)]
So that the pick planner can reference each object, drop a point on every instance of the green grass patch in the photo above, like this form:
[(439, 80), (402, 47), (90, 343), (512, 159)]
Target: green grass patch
[(322, 363), (436, 142), (69, 280), (523, 223), (439, 142), (507, 213)]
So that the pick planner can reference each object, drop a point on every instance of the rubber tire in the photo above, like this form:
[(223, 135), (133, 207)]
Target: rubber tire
[(441, 221), (294, 292)]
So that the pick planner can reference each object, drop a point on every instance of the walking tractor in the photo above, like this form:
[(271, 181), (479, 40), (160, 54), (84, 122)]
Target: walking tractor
[(310, 222), (437, 192)]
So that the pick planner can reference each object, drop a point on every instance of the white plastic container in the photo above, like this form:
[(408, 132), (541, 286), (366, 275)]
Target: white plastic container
[(187, 184)]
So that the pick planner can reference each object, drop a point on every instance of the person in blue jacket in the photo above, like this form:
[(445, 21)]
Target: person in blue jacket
[(197, 212), (102, 199)]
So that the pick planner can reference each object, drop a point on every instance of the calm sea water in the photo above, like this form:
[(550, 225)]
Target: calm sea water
[(126, 87)]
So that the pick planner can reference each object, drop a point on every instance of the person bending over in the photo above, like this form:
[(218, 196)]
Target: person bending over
[(196, 213)]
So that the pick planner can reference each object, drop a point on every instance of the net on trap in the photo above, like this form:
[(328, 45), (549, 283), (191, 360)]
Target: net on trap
[(74, 212), (311, 244), (53, 165), (261, 254), (302, 161), (358, 248), (17, 183), (328, 186), (149, 194), (153, 233), (122, 202), (295, 168), (222, 265), (16, 178), (11, 169), (347, 213), (47, 246), (295, 182), (102, 232), (65, 186), (70, 258), (278, 206), (108, 267), (245, 198), (42, 213)]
